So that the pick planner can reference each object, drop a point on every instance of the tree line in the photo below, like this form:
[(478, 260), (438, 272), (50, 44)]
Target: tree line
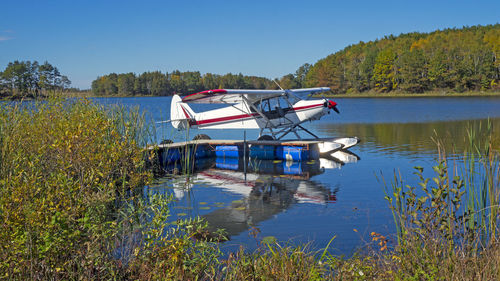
[(22, 79), (466, 59), (157, 83)]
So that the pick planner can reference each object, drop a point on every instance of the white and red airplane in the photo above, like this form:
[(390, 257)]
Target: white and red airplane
[(278, 111)]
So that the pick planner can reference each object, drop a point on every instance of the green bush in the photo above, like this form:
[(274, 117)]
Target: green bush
[(62, 166)]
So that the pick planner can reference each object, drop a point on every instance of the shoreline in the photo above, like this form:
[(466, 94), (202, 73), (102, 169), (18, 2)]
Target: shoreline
[(351, 95), (414, 95), (358, 95)]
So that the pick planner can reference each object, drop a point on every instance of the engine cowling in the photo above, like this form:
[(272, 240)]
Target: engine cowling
[(332, 105)]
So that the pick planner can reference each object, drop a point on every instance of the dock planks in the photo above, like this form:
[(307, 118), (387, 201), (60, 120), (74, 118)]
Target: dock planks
[(306, 142)]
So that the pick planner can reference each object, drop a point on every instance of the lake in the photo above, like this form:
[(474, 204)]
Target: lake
[(315, 201)]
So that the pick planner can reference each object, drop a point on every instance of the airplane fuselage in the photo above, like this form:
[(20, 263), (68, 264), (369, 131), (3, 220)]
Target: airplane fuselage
[(245, 116)]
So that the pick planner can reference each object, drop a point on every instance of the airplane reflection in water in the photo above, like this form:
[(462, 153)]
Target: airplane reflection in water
[(267, 188)]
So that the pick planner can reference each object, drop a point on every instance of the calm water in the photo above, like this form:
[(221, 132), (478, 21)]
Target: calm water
[(314, 201)]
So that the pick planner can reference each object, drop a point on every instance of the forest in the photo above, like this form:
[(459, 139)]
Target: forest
[(26, 79), (451, 60), (458, 60), (157, 83)]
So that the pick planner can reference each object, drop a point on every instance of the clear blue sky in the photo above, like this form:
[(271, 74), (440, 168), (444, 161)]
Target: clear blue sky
[(85, 39)]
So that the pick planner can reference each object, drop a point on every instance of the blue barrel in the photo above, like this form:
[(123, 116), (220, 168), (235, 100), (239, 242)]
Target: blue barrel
[(169, 155), (230, 163), (278, 153), (292, 168), (264, 152), (293, 153), (203, 151), (227, 151)]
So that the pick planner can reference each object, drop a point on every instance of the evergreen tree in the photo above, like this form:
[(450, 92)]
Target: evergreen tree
[(383, 71)]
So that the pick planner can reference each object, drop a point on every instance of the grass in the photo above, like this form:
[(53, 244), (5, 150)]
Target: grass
[(72, 207)]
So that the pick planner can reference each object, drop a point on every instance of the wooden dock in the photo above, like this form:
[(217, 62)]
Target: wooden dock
[(306, 142), (294, 150)]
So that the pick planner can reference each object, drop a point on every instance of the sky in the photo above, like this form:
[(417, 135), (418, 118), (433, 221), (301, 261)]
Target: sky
[(86, 39)]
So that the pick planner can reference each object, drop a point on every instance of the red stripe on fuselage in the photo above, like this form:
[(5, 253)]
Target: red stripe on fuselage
[(203, 94), (227, 118), (306, 106), (243, 116)]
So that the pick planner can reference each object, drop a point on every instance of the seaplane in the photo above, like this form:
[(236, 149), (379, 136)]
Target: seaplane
[(276, 113)]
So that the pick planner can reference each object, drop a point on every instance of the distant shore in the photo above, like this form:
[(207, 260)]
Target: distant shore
[(370, 94), (373, 94)]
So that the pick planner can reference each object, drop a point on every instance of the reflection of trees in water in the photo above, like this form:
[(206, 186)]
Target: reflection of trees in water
[(414, 137)]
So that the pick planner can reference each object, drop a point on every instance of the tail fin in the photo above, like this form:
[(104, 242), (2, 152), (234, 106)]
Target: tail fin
[(181, 114)]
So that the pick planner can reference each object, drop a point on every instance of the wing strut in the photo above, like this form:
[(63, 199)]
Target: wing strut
[(307, 131), (286, 131)]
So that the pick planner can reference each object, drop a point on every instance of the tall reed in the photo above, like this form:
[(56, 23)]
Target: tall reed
[(482, 181)]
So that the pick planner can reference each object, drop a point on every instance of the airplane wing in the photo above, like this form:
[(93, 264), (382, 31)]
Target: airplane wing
[(236, 95), (230, 95), (304, 92)]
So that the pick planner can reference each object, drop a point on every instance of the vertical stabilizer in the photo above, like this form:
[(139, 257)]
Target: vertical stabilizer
[(180, 113)]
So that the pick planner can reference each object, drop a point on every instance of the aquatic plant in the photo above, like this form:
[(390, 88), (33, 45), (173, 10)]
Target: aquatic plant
[(452, 218)]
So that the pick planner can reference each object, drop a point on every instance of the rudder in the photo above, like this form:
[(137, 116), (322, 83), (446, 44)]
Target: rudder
[(180, 113)]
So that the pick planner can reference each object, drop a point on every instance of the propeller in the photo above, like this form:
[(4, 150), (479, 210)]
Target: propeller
[(332, 105)]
